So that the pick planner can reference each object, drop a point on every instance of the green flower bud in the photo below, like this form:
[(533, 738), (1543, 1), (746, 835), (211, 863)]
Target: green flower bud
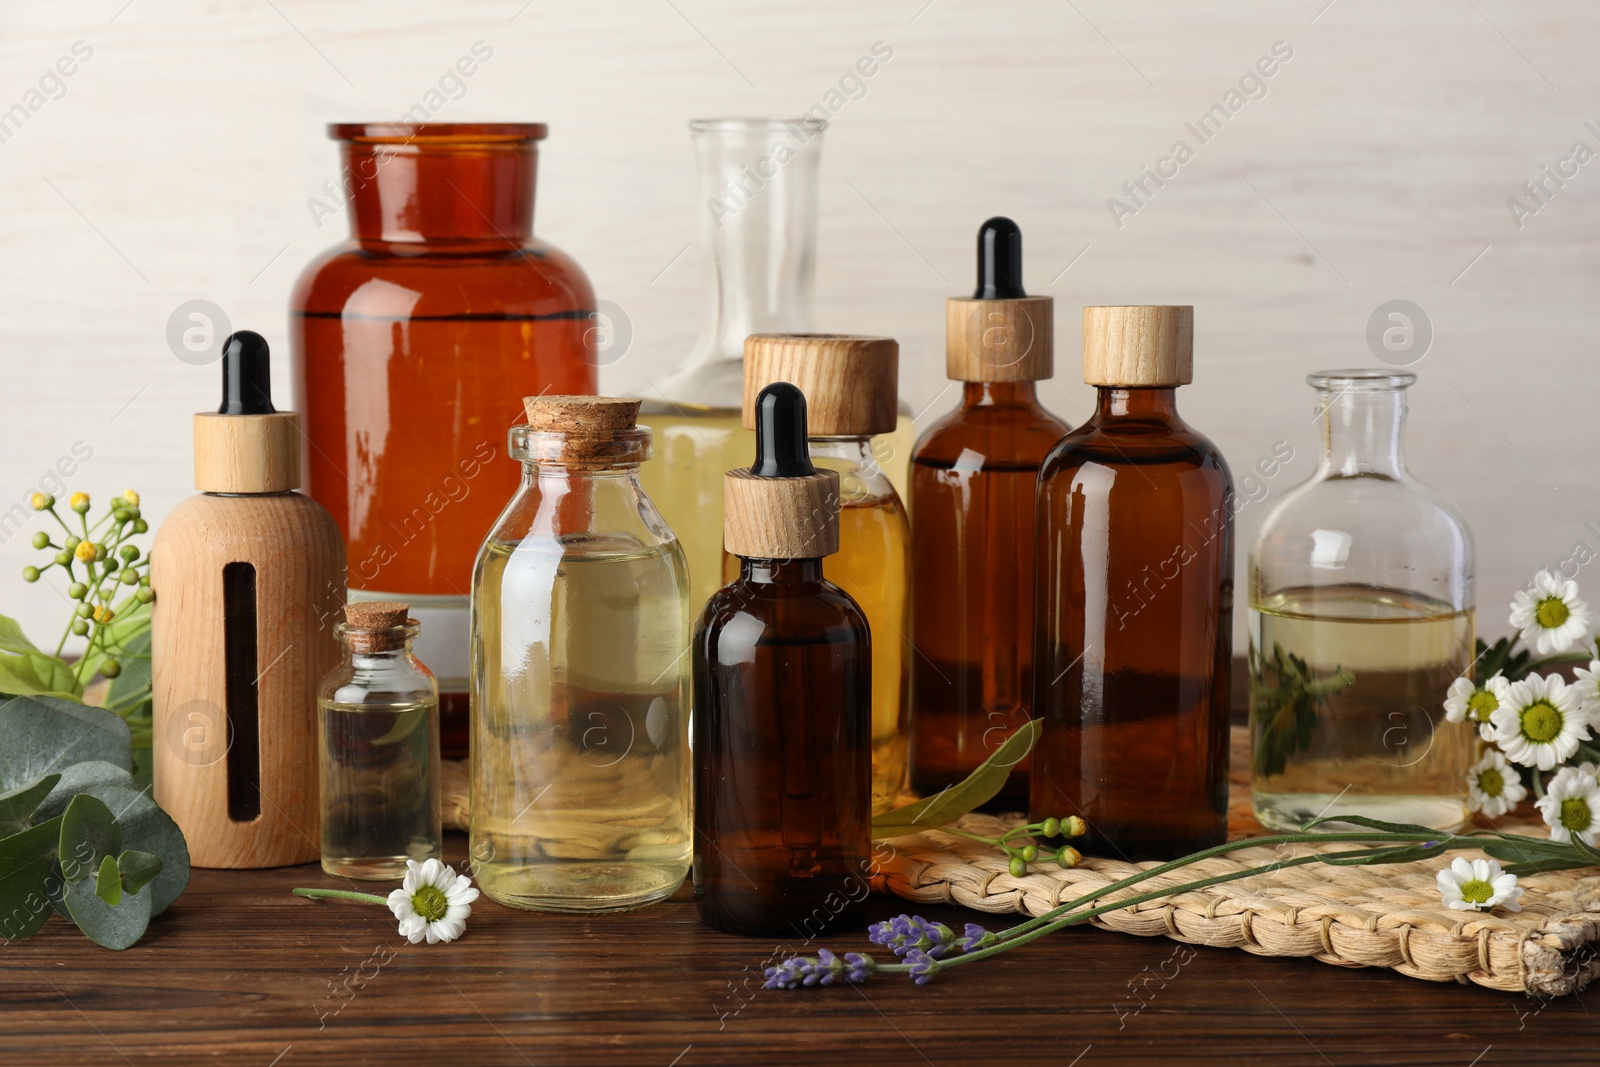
[(80, 628), (30, 574), (1051, 827), (144, 595), (1018, 867), (121, 517), (72, 542), (1030, 852), (1067, 856), (129, 577), (79, 503), (140, 526), (111, 668), (134, 512), (77, 590), (83, 611), (129, 552), (111, 565), (63, 558), (41, 540)]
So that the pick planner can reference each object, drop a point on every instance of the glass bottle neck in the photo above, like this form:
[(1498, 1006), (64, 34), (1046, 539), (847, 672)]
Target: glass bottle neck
[(1160, 403), (1362, 432), (388, 657), (780, 571), (441, 194), (999, 394)]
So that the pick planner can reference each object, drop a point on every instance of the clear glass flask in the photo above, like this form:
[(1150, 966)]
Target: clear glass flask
[(378, 748), (1361, 615), (580, 674)]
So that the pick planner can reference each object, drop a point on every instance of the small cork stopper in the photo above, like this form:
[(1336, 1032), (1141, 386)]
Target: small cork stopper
[(780, 518), (851, 383), (1138, 346), (999, 340), (594, 431), (246, 453), (371, 624)]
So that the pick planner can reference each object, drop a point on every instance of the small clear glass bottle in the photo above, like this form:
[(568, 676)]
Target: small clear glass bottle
[(378, 748), (1361, 615), (580, 674)]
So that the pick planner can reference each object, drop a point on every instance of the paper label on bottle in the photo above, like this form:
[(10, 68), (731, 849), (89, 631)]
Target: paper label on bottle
[(444, 641)]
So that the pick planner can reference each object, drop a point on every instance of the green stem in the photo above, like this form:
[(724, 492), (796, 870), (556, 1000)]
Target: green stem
[(340, 894), (1559, 659)]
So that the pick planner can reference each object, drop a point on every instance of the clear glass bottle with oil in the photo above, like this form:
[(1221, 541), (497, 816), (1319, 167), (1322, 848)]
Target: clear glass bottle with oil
[(1361, 615), (378, 748), (850, 384), (580, 674)]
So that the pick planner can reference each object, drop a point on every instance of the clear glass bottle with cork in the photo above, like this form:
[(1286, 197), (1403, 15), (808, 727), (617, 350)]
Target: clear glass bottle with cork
[(580, 673), (850, 387), (973, 481), (1135, 602), (378, 748), (782, 668)]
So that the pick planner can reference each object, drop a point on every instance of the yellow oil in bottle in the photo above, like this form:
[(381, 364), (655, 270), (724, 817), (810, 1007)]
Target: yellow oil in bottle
[(580, 737), (1347, 690)]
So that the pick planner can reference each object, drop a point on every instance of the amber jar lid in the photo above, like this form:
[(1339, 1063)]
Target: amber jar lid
[(581, 431), (851, 383), (1138, 345)]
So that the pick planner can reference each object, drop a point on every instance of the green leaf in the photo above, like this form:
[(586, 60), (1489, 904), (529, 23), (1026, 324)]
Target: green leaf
[(17, 806), (26, 861), (1378, 824), (89, 832), (12, 639), (145, 826), (117, 926), (977, 789), (137, 869), (43, 735), (35, 674), (108, 883)]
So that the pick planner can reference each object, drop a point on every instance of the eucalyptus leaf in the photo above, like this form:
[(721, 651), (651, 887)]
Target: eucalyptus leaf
[(12, 639), (17, 806), (108, 881), (26, 862), (977, 789), (43, 735), (37, 674), (137, 869), (144, 825), (117, 926), (88, 832)]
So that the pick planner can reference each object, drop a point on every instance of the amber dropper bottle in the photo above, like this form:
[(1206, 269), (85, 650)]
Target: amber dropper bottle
[(782, 694), (850, 385), (1135, 611), (973, 479)]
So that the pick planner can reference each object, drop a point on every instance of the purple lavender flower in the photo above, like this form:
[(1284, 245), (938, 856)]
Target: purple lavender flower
[(825, 968), (976, 937), (924, 965), (908, 933)]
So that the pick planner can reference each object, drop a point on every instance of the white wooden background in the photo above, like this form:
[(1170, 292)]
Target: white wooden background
[(179, 160)]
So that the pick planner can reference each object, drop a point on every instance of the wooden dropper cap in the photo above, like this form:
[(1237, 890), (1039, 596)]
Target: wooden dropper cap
[(586, 431), (1000, 333), (246, 445), (1139, 346), (851, 384), (782, 507)]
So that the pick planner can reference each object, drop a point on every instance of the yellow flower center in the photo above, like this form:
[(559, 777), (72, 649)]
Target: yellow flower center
[(1541, 722), (430, 903), (1576, 814), (1481, 705), (1491, 782), (1476, 891), (1551, 613)]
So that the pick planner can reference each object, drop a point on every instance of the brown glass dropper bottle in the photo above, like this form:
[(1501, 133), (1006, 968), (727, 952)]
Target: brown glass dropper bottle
[(1135, 602), (782, 695), (973, 477)]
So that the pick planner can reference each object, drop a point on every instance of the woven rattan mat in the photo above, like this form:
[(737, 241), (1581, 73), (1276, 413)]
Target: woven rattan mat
[(1389, 916)]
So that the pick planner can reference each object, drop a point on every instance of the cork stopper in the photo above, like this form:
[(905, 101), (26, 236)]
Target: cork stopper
[(246, 445), (782, 507), (851, 384), (1138, 346), (377, 625), (1000, 333), (583, 431)]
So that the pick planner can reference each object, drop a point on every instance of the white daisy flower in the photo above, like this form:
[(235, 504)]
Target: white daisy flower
[(1466, 702), (1540, 722), (1551, 617), (1478, 885), (433, 902), (1571, 806), (1588, 686), (1493, 785)]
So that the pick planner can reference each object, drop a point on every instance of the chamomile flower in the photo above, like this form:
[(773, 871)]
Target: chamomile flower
[(1478, 885), (1466, 702), (1588, 686), (433, 902), (1571, 805), (1540, 722), (1493, 785), (1551, 617)]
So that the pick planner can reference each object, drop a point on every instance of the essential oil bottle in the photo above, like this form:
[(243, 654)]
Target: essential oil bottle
[(850, 387), (1135, 609), (973, 481), (378, 748), (782, 683), (580, 673)]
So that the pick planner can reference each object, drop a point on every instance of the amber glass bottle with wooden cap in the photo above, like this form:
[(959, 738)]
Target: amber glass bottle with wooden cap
[(249, 578), (973, 480), (580, 673), (782, 671), (414, 342), (1135, 602), (850, 388)]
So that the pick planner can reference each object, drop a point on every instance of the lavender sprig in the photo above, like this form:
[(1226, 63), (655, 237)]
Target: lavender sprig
[(824, 968)]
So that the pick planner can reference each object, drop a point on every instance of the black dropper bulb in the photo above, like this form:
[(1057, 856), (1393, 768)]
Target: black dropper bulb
[(999, 260), (246, 375), (781, 450)]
